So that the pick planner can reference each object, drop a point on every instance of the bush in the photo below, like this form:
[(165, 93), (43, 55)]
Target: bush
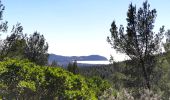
[(21, 79)]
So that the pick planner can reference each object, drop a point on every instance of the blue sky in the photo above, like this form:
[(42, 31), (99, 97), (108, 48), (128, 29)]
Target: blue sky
[(77, 27)]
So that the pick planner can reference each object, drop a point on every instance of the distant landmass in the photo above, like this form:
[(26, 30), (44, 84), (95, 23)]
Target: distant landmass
[(64, 60)]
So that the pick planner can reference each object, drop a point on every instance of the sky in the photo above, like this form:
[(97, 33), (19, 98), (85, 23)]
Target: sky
[(77, 27)]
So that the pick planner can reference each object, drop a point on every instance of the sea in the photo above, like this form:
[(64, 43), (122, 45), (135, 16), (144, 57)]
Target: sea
[(94, 62)]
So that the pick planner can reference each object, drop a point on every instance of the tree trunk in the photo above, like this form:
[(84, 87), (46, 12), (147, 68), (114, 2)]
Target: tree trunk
[(145, 74)]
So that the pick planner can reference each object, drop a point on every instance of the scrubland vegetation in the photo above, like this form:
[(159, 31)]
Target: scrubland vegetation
[(26, 75)]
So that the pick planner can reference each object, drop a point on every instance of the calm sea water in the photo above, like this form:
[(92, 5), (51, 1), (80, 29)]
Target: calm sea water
[(93, 62)]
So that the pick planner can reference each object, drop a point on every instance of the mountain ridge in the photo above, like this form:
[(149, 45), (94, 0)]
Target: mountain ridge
[(64, 60)]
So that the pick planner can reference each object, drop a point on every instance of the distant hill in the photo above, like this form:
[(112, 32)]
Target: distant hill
[(64, 60)]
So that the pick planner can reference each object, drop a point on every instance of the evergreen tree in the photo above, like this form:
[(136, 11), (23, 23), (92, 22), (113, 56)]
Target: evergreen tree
[(73, 67), (33, 48), (13, 45), (167, 44), (54, 63), (36, 49), (3, 25), (139, 42)]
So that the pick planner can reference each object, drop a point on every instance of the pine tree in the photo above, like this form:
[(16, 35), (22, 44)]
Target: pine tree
[(72, 67), (139, 41), (36, 49)]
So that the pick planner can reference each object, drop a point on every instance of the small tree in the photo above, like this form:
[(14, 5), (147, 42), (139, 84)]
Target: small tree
[(36, 49), (167, 44), (73, 67), (19, 45), (54, 63), (13, 45), (3, 25), (111, 60), (139, 42)]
